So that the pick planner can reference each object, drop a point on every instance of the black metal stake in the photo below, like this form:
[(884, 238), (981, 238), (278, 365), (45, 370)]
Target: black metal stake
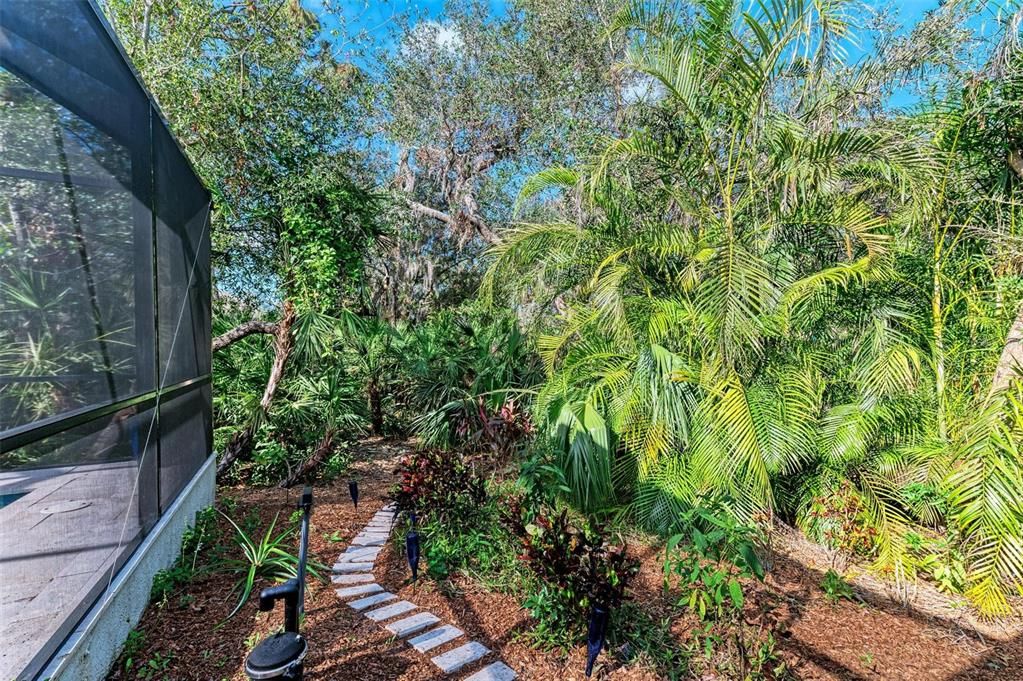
[(353, 491), (281, 655)]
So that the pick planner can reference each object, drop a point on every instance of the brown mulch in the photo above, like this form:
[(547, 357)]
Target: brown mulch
[(203, 646), (870, 638)]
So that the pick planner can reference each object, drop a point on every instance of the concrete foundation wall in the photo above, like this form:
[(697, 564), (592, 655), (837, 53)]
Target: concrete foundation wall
[(94, 645)]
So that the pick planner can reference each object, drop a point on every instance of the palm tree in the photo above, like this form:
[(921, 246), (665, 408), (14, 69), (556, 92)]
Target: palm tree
[(759, 294), (700, 251)]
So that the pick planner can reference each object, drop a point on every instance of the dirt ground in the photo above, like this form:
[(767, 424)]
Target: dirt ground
[(870, 638)]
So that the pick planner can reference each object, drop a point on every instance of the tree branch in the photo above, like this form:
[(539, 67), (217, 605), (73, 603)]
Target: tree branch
[(243, 330), (484, 231)]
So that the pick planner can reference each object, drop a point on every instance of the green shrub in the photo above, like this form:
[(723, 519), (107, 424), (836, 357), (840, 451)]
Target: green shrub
[(576, 568), (338, 463), (481, 546), (272, 461), (710, 560), (835, 588), (167, 581), (203, 536)]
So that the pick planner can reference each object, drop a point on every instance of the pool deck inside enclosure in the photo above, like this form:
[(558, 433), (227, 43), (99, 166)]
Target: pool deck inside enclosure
[(59, 544)]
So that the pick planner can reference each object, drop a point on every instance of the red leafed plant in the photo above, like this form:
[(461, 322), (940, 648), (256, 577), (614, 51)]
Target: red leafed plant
[(438, 482), (578, 567)]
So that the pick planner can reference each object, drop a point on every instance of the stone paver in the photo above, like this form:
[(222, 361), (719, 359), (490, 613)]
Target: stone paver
[(389, 611), (412, 625), (365, 555), (435, 637), (373, 535), (360, 590), (355, 578), (369, 601), (369, 541), (498, 671), (453, 660), (355, 566), (362, 549)]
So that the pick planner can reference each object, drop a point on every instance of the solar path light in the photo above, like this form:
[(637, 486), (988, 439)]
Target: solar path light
[(280, 656), (412, 551), (597, 632)]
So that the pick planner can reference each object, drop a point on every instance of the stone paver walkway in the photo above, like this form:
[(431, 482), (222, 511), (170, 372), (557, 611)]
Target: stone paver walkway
[(353, 573)]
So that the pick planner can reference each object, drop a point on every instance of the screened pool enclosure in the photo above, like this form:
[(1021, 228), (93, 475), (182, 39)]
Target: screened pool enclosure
[(104, 321)]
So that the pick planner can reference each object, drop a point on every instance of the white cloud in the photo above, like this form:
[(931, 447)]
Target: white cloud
[(642, 88), (447, 36)]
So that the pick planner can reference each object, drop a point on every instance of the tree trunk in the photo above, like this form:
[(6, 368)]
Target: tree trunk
[(146, 12), (18, 222), (322, 452), (284, 344), (1010, 364), (241, 442), (239, 447), (1016, 161), (376, 409), (938, 331)]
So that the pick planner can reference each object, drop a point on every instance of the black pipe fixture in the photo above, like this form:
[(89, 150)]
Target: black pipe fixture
[(353, 491), (595, 635), (281, 656)]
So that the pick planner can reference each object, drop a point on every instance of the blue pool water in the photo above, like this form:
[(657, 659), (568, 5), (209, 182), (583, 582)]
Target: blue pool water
[(6, 499)]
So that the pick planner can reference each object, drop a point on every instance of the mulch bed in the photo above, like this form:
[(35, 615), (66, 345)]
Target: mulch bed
[(819, 639)]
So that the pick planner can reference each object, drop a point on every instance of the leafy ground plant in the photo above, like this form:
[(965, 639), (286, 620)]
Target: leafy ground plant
[(710, 561), (576, 567), (835, 588), (197, 540), (438, 483), (264, 557)]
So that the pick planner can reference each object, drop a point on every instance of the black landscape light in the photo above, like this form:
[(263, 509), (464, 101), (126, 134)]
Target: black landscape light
[(412, 551), (280, 656), (353, 491), (595, 636)]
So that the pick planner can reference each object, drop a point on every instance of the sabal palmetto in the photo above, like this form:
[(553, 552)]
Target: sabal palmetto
[(373, 354), (465, 368)]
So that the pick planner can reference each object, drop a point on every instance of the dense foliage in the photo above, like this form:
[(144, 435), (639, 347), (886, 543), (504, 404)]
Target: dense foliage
[(734, 270), (578, 568), (764, 288)]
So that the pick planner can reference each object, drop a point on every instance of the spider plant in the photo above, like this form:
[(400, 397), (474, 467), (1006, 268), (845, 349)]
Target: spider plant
[(264, 557)]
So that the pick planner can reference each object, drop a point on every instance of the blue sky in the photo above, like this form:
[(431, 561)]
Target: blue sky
[(377, 19), (374, 16)]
